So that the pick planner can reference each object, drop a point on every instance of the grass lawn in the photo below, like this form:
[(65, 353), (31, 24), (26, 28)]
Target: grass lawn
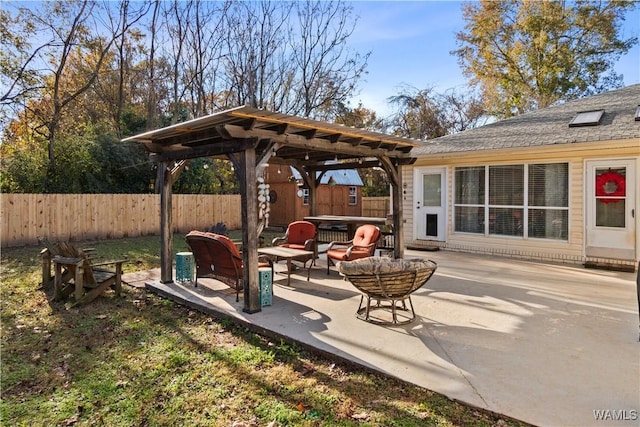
[(140, 360)]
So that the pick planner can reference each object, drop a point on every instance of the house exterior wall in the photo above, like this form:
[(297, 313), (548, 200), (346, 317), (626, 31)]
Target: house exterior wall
[(576, 155)]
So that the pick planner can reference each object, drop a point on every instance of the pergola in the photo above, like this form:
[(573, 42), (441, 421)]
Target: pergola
[(251, 138)]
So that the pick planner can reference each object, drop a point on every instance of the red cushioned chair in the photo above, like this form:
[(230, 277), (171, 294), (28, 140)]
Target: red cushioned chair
[(217, 257), (299, 235), (362, 245)]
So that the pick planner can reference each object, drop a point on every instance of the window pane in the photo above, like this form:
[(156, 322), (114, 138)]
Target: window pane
[(470, 185), (469, 219), (549, 185), (611, 183), (506, 185), (431, 189), (506, 221), (610, 213), (353, 195), (549, 224)]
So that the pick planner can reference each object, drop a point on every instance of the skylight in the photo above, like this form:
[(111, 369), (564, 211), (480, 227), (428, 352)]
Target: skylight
[(587, 118)]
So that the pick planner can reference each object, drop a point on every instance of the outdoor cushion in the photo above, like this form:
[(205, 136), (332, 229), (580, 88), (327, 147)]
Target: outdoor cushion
[(218, 257), (382, 265), (365, 235), (362, 245)]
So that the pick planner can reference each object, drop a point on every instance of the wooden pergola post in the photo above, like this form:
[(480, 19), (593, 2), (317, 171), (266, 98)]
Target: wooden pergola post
[(398, 215), (165, 181), (394, 172), (248, 179)]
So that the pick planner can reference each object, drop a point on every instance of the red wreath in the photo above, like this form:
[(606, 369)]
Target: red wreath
[(610, 184)]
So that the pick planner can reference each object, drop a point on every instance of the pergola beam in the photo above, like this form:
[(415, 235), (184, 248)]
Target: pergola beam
[(315, 143), (205, 151)]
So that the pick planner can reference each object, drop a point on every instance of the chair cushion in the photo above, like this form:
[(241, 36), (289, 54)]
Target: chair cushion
[(299, 232), (382, 265), (340, 254), (228, 243), (366, 235), (214, 254), (294, 246)]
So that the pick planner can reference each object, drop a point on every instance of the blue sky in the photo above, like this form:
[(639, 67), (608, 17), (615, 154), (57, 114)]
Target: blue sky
[(410, 43)]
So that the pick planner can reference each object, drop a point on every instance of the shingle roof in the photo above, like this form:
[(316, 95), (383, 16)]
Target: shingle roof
[(549, 126)]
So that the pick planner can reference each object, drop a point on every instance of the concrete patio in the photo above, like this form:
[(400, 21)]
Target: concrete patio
[(552, 345)]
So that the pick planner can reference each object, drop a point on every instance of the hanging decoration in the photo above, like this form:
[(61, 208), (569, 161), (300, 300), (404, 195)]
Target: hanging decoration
[(263, 205), (610, 183)]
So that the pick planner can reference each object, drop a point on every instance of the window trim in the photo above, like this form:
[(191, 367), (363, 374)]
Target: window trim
[(353, 189)]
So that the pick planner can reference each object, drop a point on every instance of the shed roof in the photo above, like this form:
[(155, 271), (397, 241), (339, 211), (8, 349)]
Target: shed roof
[(340, 177), (549, 126)]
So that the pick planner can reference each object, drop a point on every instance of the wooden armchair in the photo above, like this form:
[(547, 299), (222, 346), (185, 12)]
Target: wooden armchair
[(362, 245), (299, 235), (217, 257), (77, 272)]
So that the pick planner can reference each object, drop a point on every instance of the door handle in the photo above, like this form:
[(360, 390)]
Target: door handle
[(633, 213)]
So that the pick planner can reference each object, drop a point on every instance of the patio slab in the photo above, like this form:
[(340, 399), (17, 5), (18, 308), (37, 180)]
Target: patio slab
[(548, 344)]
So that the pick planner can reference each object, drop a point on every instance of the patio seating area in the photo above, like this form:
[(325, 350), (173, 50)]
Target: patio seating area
[(548, 344)]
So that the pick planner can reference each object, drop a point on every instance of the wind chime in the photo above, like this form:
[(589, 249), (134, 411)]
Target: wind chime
[(263, 205)]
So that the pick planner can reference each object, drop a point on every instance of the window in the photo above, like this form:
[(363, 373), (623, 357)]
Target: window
[(587, 118), (528, 201), (506, 193), (469, 202), (353, 195), (548, 201)]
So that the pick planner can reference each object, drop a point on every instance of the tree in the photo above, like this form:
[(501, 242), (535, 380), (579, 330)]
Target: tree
[(461, 110), (419, 115), (257, 67), (527, 54), (20, 78), (328, 72), (360, 117), (425, 114), (75, 53)]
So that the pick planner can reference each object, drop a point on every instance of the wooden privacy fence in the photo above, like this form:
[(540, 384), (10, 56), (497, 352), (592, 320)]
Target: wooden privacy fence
[(80, 217), (377, 207)]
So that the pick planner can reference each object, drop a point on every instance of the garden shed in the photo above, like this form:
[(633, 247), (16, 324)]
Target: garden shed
[(339, 193)]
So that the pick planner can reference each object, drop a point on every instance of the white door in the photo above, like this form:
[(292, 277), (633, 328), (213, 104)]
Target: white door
[(610, 209), (429, 212)]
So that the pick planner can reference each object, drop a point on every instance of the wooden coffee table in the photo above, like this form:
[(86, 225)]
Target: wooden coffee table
[(278, 253)]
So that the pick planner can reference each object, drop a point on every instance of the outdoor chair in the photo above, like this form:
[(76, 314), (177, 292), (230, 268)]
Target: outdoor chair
[(387, 284), (77, 272), (217, 257), (299, 235), (362, 245)]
